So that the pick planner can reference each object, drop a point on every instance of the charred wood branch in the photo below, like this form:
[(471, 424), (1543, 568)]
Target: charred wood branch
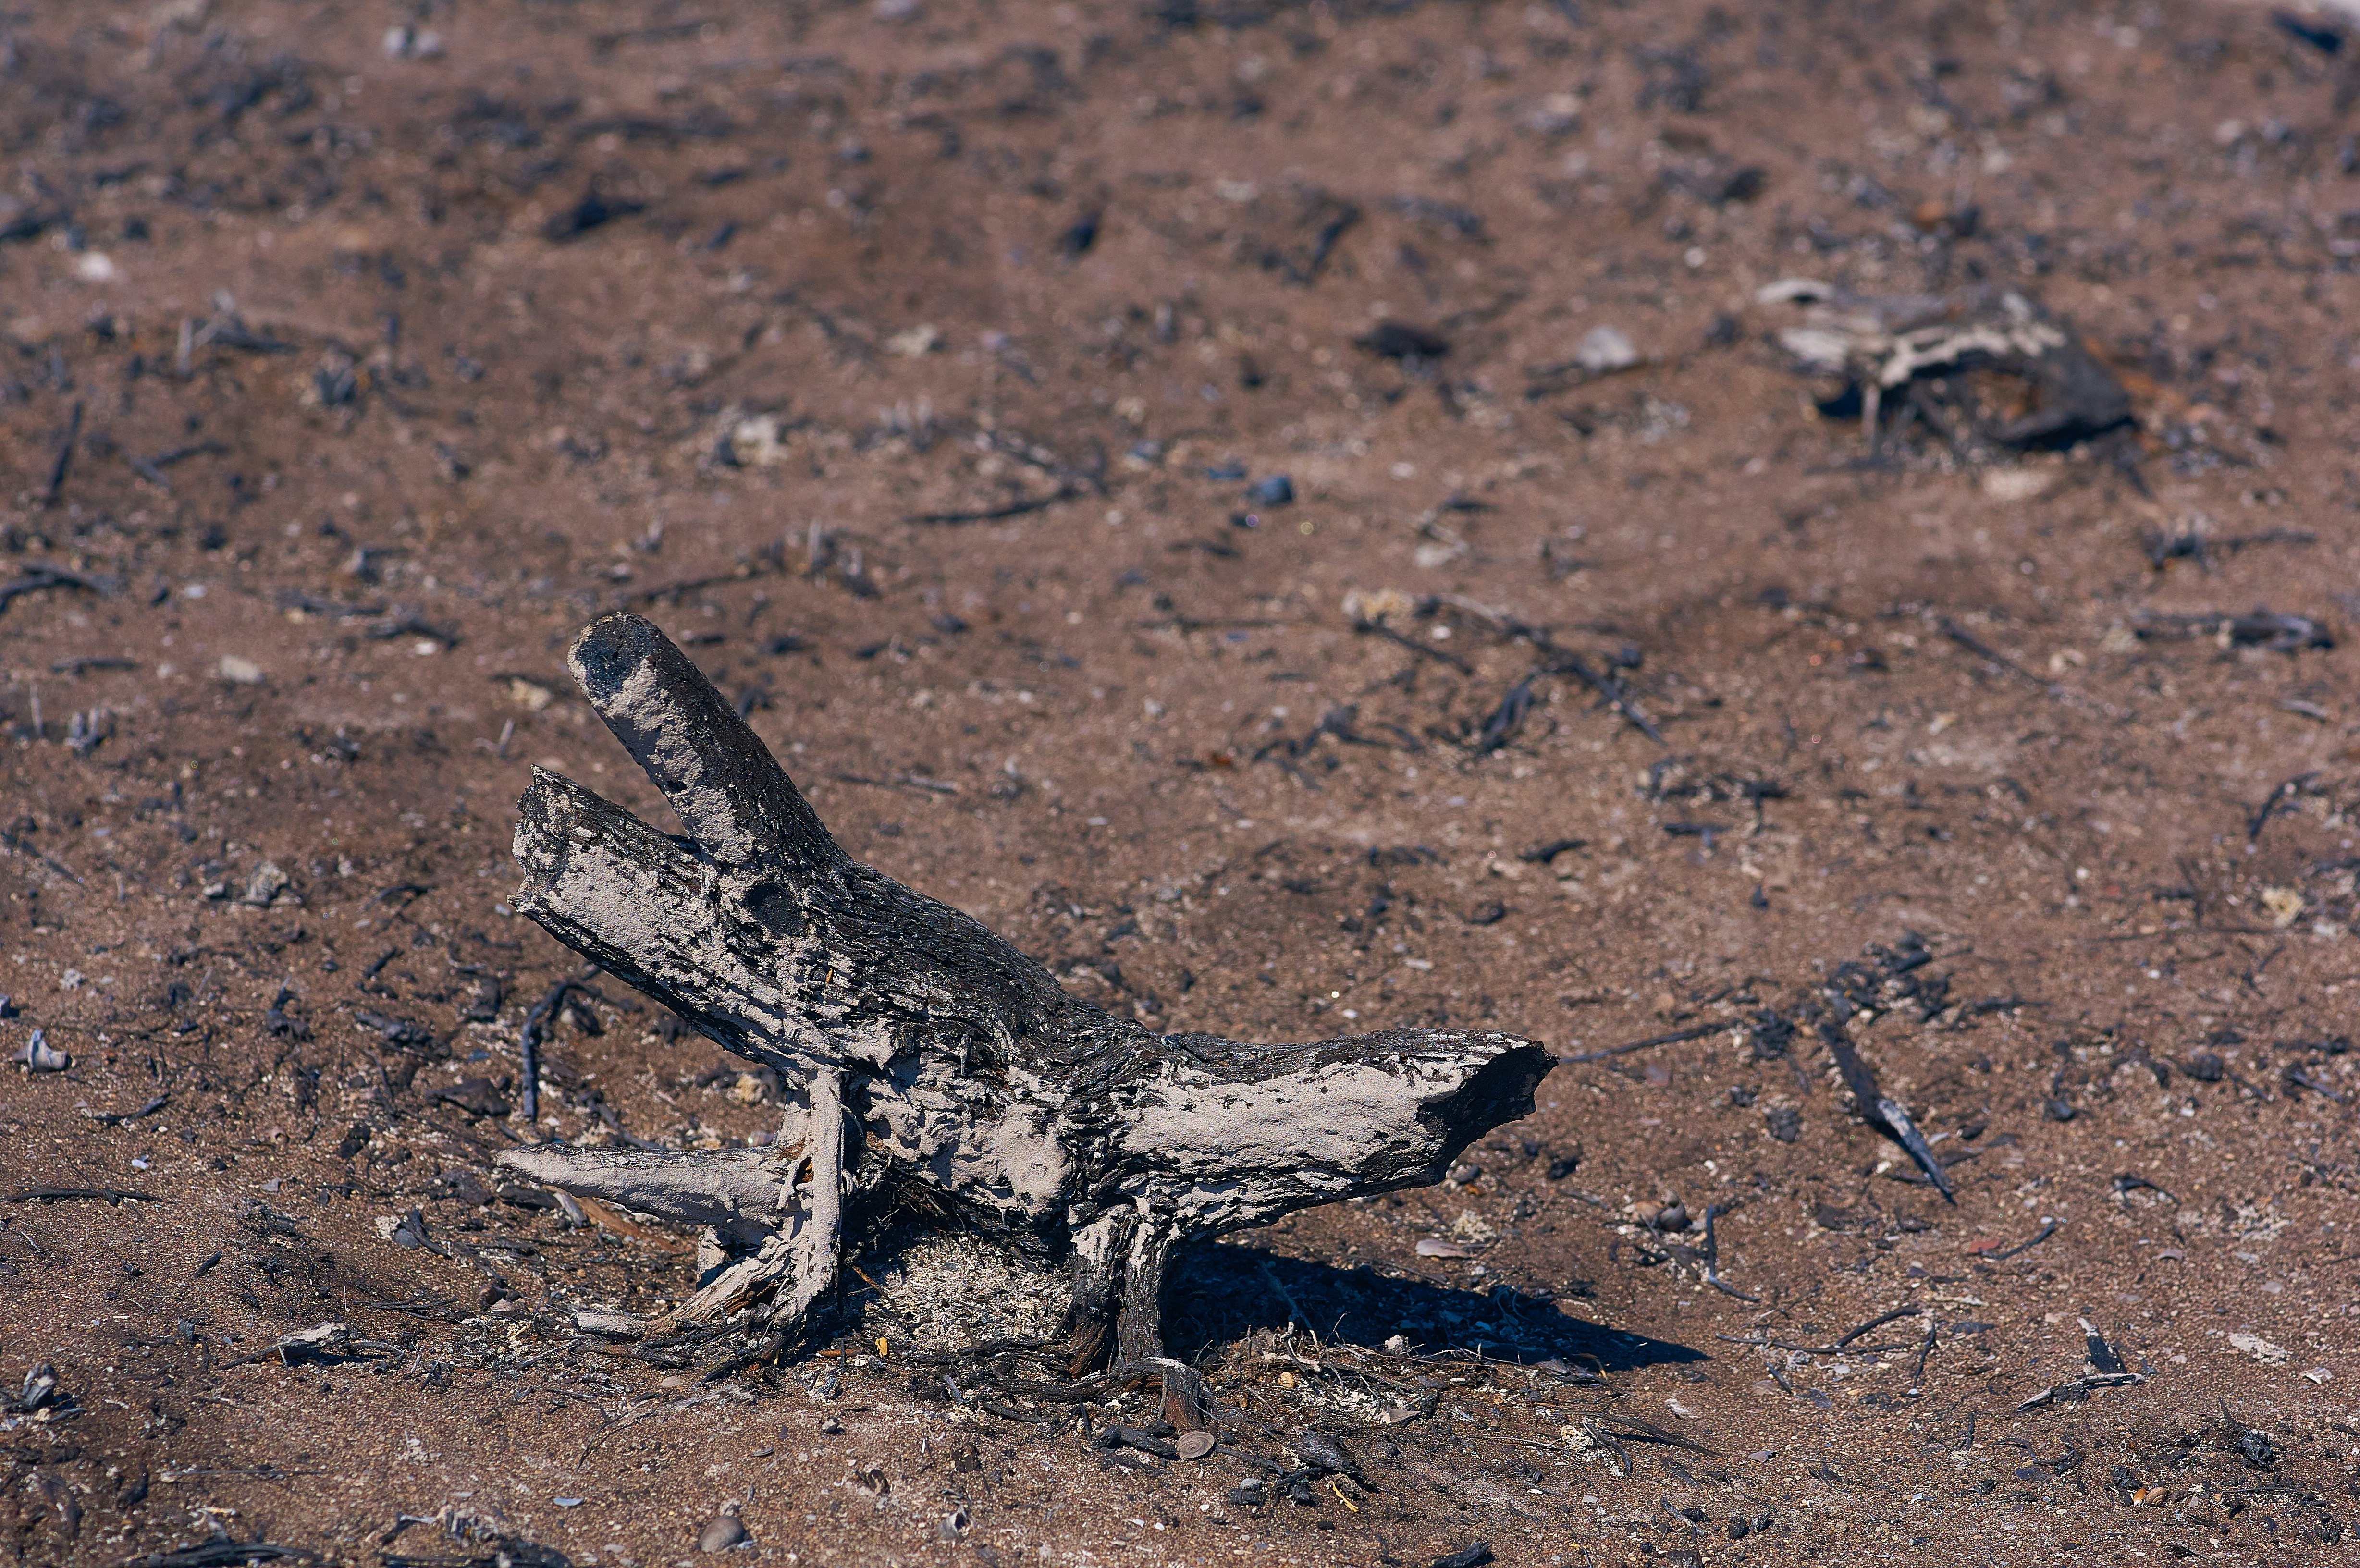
[(939, 1069)]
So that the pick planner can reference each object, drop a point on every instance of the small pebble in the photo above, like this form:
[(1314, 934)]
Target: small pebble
[(722, 1534), (1604, 349)]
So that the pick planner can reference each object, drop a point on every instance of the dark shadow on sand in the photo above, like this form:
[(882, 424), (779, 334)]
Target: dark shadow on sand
[(1220, 1292)]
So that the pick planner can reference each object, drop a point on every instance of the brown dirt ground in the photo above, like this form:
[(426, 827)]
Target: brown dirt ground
[(375, 413)]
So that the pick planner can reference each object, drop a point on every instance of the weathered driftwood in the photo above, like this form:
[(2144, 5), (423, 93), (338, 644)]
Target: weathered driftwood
[(936, 1068)]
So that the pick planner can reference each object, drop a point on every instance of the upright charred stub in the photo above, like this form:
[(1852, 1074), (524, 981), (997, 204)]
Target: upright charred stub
[(931, 1060)]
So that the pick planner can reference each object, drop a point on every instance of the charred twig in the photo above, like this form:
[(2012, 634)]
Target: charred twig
[(1915, 1178), (116, 1118), (2048, 1227), (39, 576), (763, 1350), (2080, 1387), (2199, 547), (2261, 627), (1917, 1375), (1878, 1111), (1379, 629), (1506, 719), (1712, 1254), (1001, 514), (1191, 624), (536, 1028), (14, 842), (2296, 1078), (1634, 1429), (2281, 799), (152, 469), (224, 1553), (64, 459), (1983, 650), (1675, 1038), (1573, 664), (907, 781), (1895, 1315)]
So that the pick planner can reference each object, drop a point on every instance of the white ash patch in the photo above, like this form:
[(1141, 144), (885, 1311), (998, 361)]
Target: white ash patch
[(948, 1291)]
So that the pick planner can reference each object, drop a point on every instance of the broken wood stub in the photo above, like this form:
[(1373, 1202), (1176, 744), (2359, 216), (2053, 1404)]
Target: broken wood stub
[(940, 1071)]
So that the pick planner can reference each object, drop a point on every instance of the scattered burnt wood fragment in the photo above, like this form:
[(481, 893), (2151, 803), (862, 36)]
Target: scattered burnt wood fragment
[(2254, 1448), (1895, 1315), (2103, 1356), (1887, 1115), (399, 1032), (596, 209), (1925, 1350), (111, 1196), (228, 330), (40, 576), (2259, 627), (1002, 513), (1924, 356), (2107, 1370), (1710, 1254), (537, 1025), (2048, 1227), (935, 1069), (228, 1553), (1377, 628), (1768, 1036), (2295, 1077), (2000, 661), (1678, 779), (1501, 726), (2281, 799), (116, 1118), (63, 462), (1328, 218), (2309, 31), (1557, 659), (1399, 339), (1918, 1179), (2202, 548), (1566, 662)]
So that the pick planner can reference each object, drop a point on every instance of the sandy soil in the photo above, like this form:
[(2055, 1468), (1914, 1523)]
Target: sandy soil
[(924, 368)]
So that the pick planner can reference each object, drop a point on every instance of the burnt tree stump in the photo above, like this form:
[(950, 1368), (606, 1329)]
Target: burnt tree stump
[(933, 1067)]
